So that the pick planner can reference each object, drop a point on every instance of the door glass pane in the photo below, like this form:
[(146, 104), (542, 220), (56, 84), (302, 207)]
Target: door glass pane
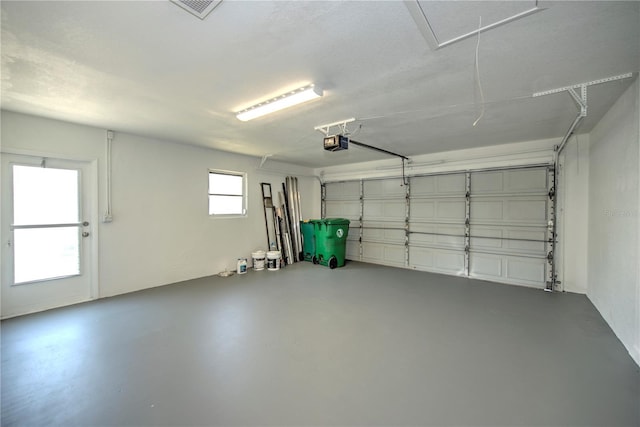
[(44, 253), (44, 195)]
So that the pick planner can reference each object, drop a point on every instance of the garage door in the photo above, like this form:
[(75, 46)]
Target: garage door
[(384, 216), (489, 224), (437, 223), (510, 214)]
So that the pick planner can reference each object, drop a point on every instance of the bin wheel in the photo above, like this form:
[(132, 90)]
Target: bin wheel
[(333, 262), (315, 260)]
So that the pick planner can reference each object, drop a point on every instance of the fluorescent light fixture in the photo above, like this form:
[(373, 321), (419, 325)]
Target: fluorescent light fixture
[(281, 102)]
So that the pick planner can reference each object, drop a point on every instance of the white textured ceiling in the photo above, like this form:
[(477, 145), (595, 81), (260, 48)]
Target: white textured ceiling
[(151, 68)]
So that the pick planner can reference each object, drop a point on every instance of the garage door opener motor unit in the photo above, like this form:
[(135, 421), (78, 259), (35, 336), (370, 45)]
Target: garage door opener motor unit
[(336, 143)]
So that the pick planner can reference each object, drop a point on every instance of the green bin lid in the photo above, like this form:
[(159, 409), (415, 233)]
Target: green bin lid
[(336, 221)]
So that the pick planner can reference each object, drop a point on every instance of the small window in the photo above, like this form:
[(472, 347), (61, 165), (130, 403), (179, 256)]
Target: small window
[(227, 193)]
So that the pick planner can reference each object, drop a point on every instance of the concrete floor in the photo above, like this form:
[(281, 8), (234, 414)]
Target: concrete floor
[(359, 345)]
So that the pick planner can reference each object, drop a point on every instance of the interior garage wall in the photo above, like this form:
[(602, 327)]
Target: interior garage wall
[(573, 205), (161, 231), (614, 202)]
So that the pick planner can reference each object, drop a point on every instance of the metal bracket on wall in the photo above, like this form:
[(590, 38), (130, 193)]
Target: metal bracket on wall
[(581, 100)]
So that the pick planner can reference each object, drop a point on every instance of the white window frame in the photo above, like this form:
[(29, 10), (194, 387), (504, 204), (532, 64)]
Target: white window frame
[(243, 195)]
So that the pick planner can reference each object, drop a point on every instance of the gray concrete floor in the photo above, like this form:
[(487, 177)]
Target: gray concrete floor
[(359, 345)]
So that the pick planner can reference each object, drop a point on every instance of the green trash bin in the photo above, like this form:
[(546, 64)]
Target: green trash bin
[(331, 241), (308, 240)]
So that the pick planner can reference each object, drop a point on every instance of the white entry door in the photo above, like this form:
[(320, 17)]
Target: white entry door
[(46, 234)]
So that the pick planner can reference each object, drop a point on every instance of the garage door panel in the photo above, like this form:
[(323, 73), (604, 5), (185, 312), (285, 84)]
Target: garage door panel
[(383, 235), (342, 209), (423, 210), (352, 250), (509, 210), (385, 254), (451, 209), (426, 240), (526, 180), (384, 189), (510, 181), (384, 210), (439, 185), (525, 271), (527, 210), (437, 235), (487, 211), (354, 232), (485, 265), (518, 240), (445, 210), (436, 260), (487, 182), (531, 241), (342, 191)]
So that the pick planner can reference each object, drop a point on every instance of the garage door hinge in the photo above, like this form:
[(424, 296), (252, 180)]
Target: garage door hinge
[(467, 221), (466, 249), (550, 256), (552, 193)]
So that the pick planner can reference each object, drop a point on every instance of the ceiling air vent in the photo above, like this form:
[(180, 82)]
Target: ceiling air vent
[(199, 8)]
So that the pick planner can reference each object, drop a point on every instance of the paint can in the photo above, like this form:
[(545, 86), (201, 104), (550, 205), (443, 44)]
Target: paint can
[(258, 260), (273, 260)]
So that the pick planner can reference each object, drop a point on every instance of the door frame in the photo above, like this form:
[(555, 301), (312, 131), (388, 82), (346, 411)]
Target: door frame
[(90, 188)]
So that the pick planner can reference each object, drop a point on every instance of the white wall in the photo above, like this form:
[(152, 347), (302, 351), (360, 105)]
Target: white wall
[(573, 206), (614, 202), (161, 232)]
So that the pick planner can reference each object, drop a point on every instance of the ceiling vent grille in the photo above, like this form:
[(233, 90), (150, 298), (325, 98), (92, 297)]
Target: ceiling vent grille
[(199, 8)]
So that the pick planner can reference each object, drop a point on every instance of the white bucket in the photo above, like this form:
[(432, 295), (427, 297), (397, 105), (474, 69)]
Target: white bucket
[(258, 260), (273, 260)]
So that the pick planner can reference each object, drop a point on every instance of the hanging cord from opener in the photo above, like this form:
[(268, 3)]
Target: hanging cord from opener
[(477, 79)]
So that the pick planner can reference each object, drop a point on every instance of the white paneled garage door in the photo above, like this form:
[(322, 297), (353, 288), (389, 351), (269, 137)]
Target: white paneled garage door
[(437, 223), (383, 222), (510, 211), (491, 224)]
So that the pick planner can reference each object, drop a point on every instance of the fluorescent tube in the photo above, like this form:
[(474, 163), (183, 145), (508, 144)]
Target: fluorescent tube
[(287, 100)]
